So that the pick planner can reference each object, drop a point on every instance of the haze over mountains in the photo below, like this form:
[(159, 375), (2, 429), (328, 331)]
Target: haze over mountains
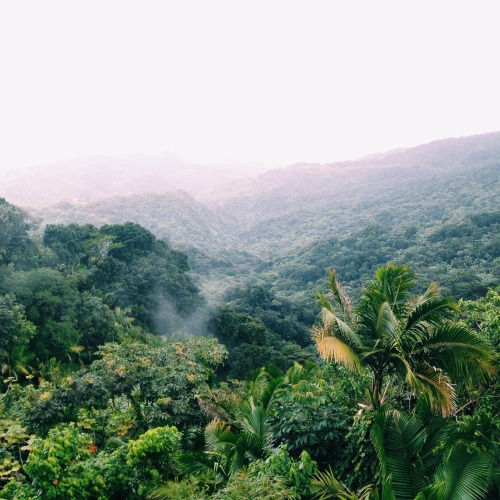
[(98, 177), (235, 221), (175, 197)]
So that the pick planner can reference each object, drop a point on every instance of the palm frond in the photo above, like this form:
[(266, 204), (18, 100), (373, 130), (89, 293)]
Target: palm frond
[(218, 433), (432, 293), (258, 385), (194, 438), (394, 281), (348, 333), (398, 438), (387, 491), (432, 492), (460, 351), (255, 446), (438, 429), (427, 381), (377, 434), (339, 294), (339, 327), (270, 391), (173, 489), (253, 419), (326, 486), (204, 464), (236, 456), (161, 492), (465, 476), (430, 312), (387, 323), (328, 317), (324, 301), (333, 349), (295, 373), (434, 384)]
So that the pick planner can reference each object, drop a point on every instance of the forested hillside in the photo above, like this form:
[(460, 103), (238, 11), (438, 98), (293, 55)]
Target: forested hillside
[(463, 254), (285, 338), (301, 203), (174, 216), (283, 214)]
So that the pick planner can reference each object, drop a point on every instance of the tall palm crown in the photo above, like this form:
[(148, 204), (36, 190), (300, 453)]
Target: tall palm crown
[(394, 335)]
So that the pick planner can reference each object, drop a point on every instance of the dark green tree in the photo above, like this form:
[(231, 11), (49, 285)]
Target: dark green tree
[(15, 329), (70, 243), (16, 246), (50, 302)]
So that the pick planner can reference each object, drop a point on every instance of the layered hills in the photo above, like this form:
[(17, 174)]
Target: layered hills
[(235, 223)]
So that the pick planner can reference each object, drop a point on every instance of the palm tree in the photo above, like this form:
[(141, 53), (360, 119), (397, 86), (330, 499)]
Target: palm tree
[(18, 363), (239, 433), (396, 336)]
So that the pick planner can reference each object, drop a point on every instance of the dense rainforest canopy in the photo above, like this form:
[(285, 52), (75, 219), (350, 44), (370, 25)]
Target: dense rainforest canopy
[(120, 380)]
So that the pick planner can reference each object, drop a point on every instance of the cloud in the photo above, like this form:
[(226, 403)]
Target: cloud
[(273, 82)]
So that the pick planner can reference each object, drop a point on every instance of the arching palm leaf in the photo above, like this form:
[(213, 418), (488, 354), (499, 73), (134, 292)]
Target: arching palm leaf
[(333, 324), (387, 323), (394, 283), (336, 289), (429, 312), (431, 383), (464, 476), (258, 385), (326, 486), (432, 458), (460, 352), (253, 418), (333, 349)]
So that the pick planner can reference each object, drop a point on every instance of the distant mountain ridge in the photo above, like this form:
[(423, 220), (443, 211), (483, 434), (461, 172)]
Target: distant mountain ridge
[(99, 177), (429, 182), (280, 209)]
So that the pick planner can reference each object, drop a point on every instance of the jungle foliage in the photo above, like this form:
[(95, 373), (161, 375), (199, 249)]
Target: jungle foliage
[(119, 381)]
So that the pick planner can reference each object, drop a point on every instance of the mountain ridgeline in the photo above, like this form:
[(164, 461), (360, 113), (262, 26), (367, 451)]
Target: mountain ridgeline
[(250, 227)]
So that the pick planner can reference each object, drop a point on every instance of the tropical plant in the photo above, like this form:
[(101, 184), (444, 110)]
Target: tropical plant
[(326, 486), (56, 468), (312, 411), (277, 477), (399, 337), (160, 385), (429, 457), (239, 434), (484, 315), (150, 457), (18, 363)]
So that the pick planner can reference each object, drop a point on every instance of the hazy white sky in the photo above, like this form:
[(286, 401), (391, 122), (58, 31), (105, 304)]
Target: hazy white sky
[(264, 81)]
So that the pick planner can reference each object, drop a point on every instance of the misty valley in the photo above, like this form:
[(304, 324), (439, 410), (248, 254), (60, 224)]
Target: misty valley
[(170, 330)]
